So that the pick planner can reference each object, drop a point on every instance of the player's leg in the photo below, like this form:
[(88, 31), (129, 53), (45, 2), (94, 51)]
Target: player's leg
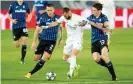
[(24, 38), (95, 49), (108, 62), (16, 37), (77, 47), (67, 51), (46, 48), (40, 64)]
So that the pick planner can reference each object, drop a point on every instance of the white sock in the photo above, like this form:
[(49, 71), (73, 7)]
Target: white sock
[(68, 60), (72, 64)]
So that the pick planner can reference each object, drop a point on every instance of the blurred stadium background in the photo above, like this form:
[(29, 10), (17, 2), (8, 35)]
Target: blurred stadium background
[(121, 49), (123, 18)]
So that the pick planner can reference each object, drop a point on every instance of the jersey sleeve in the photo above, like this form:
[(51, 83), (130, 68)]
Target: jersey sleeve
[(10, 9), (61, 19), (41, 23), (105, 18), (27, 9)]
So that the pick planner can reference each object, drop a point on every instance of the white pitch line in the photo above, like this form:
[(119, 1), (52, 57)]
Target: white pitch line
[(98, 82)]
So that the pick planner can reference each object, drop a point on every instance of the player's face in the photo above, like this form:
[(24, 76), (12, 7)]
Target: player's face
[(50, 11), (96, 12), (20, 1), (67, 15)]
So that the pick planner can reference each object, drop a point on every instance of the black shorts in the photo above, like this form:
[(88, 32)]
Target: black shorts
[(46, 45), (97, 46), (17, 33)]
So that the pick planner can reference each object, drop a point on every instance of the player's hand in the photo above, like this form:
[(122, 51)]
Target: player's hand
[(41, 11), (14, 21), (106, 30), (100, 24), (33, 46)]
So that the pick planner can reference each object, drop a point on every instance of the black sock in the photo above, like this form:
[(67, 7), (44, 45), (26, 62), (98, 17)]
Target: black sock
[(111, 69), (102, 63), (23, 51), (38, 66)]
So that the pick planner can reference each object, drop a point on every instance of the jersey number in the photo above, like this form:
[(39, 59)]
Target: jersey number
[(25, 30), (51, 47), (102, 42)]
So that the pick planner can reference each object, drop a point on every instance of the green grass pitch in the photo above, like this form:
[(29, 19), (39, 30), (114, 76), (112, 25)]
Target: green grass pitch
[(121, 54)]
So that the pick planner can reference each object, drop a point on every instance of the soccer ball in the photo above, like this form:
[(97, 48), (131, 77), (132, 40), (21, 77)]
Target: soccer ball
[(50, 76)]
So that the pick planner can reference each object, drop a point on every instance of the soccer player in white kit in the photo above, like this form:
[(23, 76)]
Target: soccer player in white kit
[(74, 40), (109, 11)]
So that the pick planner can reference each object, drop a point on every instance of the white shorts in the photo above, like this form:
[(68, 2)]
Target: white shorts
[(72, 44)]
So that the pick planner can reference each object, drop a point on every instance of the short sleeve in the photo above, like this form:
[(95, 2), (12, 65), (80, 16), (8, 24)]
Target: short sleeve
[(10, 9), (40, 22), (61, 19), (89, 18), (105, 18)]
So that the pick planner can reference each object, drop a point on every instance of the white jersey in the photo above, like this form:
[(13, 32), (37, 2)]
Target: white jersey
[(74, 31), (107, 3)]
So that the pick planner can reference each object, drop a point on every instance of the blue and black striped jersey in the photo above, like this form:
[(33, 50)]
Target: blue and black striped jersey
[(50, 33), (19, 13), (97, 34), (40, 5)]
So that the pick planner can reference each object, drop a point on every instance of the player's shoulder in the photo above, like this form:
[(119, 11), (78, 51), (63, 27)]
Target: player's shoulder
[(24, 3), (57, 16), (90, 17), (103, 15), (14, 3)]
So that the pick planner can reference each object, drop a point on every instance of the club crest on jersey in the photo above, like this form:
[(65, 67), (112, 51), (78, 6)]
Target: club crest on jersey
[(100, 20), (23, 6)]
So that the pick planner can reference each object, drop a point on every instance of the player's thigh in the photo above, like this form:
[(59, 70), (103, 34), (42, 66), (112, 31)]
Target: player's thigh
[(40, 49), (77, 47), (68, 48), (49, 46), (104, 54), (24, 36)]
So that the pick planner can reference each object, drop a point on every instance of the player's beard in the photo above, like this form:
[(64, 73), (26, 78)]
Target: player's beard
[(68, 18)]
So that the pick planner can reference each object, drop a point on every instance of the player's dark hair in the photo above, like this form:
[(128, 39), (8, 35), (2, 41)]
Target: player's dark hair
[(50, 5), (66, 10), (98, 6)]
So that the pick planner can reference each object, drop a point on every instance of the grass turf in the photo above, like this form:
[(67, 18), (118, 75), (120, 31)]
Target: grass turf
[(121, 54)]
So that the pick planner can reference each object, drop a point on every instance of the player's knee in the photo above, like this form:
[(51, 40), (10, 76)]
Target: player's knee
[(96, 59), (17, 45), (46, 56), (65, 57)]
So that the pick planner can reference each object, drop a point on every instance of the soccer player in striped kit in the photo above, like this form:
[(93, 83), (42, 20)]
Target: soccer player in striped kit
[(40, 8), (18, 11), (47, 41), (99, 40)]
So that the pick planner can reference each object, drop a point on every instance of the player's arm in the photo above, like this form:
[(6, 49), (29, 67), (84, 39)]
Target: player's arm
[(9, 14), (11, 19), (33, 9), (35, 37), (99, 26), (61, 34), (28, 19), (59, 21)]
